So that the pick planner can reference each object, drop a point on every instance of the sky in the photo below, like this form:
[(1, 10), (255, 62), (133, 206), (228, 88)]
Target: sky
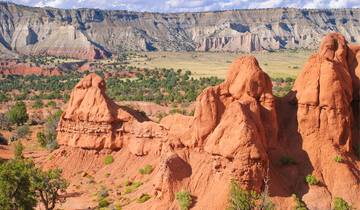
[(189, 5)]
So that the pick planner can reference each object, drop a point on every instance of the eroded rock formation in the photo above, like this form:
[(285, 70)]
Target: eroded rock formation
[(239, 131), (324, 94), (93, 121)]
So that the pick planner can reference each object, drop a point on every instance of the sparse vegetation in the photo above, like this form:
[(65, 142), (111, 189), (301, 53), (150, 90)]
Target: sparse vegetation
[(4, 122), (339, 159), (159, 86), (16, 190), (48, 185), (51, 104), (103, 193), (108, 159), (143, 198), (311, 180), (127, 182), (299, 204), (22, 185), (132, 186), (265, 202), (184, 199), (147, 169), (103, 203), (18, 114), (341, 204), (241, 199), (3, 97), (22, 131), (47, 137), (18, 152), (38, 104), (216, 64), (282, 86), (28, 87)]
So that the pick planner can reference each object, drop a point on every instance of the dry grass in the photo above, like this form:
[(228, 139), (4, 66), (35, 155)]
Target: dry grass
[(276, 64)]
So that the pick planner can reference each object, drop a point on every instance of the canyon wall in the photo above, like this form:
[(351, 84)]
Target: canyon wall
[(93, 33)]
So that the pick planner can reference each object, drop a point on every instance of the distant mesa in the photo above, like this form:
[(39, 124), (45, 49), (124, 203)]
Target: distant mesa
[(93, 34), (13, 67)]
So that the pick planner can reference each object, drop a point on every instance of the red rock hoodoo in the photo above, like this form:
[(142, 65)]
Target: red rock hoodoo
[(239, 131), (93, 121), (324, 94), (237, 120)]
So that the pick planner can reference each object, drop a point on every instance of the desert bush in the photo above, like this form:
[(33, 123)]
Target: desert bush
[(286, 160), (299, 204), (108, 159), (132, 187), (22, 131), (311, 180), (51, 104), (4, 122), (18, 114), (339, 159), (18, 152), (147, 169), (341, 204), (103, 203), (265, 202), (47, 137), (127, 182), (241, 199), (143, 198), (13, 138), (136, 184), (3, 97), (103, 193), (160, 115), (184, 199), (41, 138), (38, 104), (47, 140), (116, 206)]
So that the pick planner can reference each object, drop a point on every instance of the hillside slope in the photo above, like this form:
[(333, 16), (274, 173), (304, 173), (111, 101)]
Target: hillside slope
[(93, 33)]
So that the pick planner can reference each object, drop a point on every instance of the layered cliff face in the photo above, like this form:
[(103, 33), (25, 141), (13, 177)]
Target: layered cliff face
[(11, 67), (93, 121), (91, 33), (239, 131)]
